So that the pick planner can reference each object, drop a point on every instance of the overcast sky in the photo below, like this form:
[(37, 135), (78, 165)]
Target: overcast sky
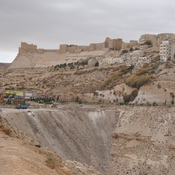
[(49, 23)]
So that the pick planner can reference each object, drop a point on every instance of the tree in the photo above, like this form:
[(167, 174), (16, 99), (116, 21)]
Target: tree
[(96, 64), (148, 42), (131, 49)]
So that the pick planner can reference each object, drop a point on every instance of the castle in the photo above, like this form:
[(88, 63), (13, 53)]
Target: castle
[(31, 56), (112, 44)]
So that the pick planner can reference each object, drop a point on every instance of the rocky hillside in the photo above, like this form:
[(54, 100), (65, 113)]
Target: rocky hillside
[(122, 140), (153, 84), (21, 155), (143, 142), (76, 134)]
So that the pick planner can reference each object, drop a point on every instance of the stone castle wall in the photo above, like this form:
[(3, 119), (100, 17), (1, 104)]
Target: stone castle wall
[(28, 47), (109, 43), (115, 44), (156, 39)]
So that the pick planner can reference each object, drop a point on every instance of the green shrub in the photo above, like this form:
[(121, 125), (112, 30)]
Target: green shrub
[(124, 51), (154, 104), (96, 64), (148, 42), (131, 49), (77, 99), (71, 65)]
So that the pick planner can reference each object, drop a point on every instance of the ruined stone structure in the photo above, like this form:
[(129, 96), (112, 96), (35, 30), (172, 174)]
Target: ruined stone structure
[(156, 39), (114, 44), (30, 56), (131, 44), (28, 47)]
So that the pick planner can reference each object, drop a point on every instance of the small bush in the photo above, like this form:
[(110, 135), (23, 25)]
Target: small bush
[(78, 100), (130, 97), (158, 86), (148, 42), (96, 64), (172, 101), (154, 104), (125, 51), (131, 49), (71, 65), (172, 94), (51, 162)]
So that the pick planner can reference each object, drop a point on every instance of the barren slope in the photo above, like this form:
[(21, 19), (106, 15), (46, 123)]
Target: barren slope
[(80, 134), (144, 141), (19, 155)]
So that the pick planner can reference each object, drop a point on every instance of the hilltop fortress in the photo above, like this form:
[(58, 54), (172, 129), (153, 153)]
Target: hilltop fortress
[(29, 56)]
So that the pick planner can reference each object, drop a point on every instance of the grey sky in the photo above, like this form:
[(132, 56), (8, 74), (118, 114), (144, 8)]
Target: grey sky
[(48, 23)]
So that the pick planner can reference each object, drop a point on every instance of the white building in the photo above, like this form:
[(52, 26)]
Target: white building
[(167, 50), (164, 51)]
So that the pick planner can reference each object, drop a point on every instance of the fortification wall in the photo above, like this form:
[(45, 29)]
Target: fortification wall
[(107, 41), (133, 43), (92, 47), (51, 50), (84, 48), (115, 44), (125, 45), (41, 51), (63, 48), (72, 49), (99, 46), (28, 47)]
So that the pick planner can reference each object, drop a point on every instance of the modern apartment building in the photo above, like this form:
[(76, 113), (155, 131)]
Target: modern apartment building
[(164, 51), (167, 50), (172, 49)]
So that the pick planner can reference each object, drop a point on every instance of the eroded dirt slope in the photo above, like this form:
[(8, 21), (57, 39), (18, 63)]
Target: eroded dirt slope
[(76, 134), (18, 155)]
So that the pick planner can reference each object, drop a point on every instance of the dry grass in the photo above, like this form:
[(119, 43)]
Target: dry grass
[(80, 72), (137, 81), (145, 69), (116, 78), (155, 59), (169, 65), (51, 162)]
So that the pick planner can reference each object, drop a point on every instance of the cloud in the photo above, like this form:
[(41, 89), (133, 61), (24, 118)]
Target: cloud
[(50, 23)]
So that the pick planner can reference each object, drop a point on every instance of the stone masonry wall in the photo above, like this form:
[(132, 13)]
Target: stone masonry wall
[(28, 47)]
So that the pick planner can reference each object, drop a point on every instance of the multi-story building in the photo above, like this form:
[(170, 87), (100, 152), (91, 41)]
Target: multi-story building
[(167, 50), (164, 51), (172, 49)]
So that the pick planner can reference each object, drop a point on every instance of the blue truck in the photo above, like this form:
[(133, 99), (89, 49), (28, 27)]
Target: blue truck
[(22, 106)]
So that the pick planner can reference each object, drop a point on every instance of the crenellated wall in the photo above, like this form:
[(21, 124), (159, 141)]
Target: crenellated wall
[(115, 44), (109, 43), (28, 47)]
